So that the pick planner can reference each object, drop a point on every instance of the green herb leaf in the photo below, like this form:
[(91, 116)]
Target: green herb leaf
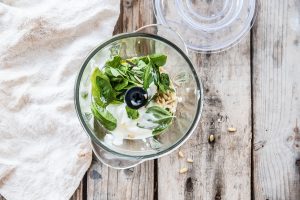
[(114, 62), (132, 79), (165, 80), (128, 86), (159, 129), (164, 83), (116, 102), (156, 76), (141, 65), (115, 79), (162, 117), (135, 60), (104, 117), (95, 89), (107, 72), (121, 85), (107, 93), (158, 59), (148, 76), (102, 90), (158, 112), (115, 72), (132, 113), (123, 70), (120, 95)]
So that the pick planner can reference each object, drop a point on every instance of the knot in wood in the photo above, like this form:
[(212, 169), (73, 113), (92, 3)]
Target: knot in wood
[(127, 3), (95, 175), (129, 171), (189, 185), (298, 163)]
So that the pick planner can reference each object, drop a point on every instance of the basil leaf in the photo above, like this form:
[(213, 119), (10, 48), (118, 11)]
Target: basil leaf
[(114, 62), (121, 85), (102, 90), (158, 112), (127, 64), (141, 65), (135, 60), (116, 102), (162, 117), (107, 72), (138, 70), (120, 95), (147, 76), (95, 89), (115, 72), (104, 117), (123, 70), (132, 79), (165, 80), (158, 59), (159, 129), (164, 83), (132, 113), (163, 120), (115, 80), (128, 86), (106, 92), (156, 75)]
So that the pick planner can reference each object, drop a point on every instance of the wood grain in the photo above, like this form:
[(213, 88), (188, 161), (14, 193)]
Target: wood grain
[(221, 169), (133, 15), (107, 183), (135, 183), (78, 195), (276, 89)]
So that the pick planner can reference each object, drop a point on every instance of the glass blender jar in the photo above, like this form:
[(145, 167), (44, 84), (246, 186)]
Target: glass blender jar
[(131, 152)]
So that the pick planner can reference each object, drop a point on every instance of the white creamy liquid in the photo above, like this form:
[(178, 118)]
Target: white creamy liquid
[(152, 90), (127, 128)]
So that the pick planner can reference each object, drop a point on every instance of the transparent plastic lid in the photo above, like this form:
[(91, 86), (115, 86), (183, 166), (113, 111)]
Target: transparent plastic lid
[(207, 25)]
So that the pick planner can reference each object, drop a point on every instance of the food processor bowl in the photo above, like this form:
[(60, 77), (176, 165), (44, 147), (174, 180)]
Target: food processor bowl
[(126, 153)]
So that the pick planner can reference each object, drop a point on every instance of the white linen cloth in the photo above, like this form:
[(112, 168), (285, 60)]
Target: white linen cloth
[(44, 151)]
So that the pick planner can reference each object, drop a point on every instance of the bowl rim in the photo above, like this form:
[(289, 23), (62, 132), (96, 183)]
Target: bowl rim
[(172, 147)]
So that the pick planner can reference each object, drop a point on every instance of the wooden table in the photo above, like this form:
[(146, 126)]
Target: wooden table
[(253, 87)]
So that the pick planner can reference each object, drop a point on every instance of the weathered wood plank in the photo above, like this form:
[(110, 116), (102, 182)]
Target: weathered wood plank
[(78, 195), (221, 169), (276, 58), (135, 183), (108, 183), (133, 15)]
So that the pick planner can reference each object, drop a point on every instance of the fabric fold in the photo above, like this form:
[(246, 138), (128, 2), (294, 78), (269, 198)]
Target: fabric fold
[(44, 152)]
